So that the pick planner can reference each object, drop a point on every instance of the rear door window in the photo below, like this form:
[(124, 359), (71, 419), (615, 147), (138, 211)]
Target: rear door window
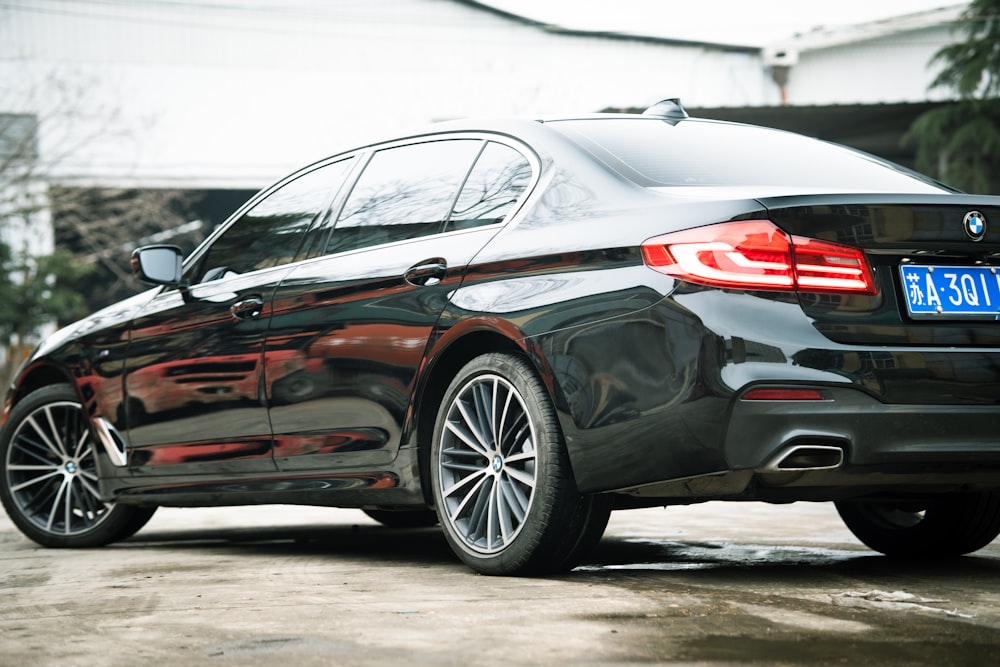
[(404, 193)]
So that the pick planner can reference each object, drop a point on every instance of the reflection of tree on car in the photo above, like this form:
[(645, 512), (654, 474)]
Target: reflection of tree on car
[(201, 382)]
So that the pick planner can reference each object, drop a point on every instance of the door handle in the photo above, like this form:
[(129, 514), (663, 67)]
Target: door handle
[(247, 309), (427, 273)]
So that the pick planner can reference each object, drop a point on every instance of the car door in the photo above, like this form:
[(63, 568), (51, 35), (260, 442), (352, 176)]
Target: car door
[(362, 312), (193, 381)]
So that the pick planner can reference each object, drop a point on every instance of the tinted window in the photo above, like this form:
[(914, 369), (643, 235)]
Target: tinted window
[(500, 176), (404, 193), (269, 234), (653, 152)]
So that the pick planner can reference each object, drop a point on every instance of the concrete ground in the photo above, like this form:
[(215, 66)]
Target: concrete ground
[(714, 584)]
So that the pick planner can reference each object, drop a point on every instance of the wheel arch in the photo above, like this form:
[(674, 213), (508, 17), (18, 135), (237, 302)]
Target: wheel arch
[(452, 353), (34, 377)]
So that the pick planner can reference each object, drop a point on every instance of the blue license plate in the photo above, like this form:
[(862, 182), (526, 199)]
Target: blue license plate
[(951, 291)]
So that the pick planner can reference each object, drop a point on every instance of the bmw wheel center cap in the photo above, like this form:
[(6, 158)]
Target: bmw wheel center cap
[(975, 225)]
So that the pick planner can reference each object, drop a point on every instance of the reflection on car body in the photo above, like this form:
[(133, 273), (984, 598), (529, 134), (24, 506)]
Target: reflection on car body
[(515, 327)]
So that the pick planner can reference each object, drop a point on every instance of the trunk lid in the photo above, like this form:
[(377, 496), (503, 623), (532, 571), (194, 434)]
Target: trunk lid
[(912, 231)]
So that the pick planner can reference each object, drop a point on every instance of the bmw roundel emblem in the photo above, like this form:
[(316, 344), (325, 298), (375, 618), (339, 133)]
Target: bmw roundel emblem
[(975, 225)]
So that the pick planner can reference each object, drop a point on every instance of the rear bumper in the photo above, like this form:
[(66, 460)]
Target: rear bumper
[(847, 445), (872, 434)]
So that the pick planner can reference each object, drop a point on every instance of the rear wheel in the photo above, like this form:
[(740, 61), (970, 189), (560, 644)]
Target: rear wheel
[(48, 475), (501, 480), (947, 525)]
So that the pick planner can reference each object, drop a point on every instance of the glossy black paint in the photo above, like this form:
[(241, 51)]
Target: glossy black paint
[(317, 380), (361, 329), (193, 381)]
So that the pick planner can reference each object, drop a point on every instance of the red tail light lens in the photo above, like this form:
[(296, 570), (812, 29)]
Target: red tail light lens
[(782, 395), (830, 267), (757, 255)]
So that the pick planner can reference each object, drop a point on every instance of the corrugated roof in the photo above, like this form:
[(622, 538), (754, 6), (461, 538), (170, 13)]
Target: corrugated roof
[(726, 24), (827, 37)]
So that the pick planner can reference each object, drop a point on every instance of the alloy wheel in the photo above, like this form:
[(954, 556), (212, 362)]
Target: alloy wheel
[(51, 471), (487, 464)]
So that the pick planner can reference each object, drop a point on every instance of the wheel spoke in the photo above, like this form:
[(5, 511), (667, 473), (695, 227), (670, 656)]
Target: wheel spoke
[(473, 426), (477, 516), (518, 432), (492, 512), (464, 453), (467, 467), (493, 408), (90, 488), (516, 500), (55, 506), (70, 505), (35, 480), (82, 443), (471, 493), (523, 456), (35, 450), (66, 434), (91, 498), (504, 513), (41, 434), (474, 441), (521, 476), (20, 467), (483, 404), (55, 432), (501, 428)]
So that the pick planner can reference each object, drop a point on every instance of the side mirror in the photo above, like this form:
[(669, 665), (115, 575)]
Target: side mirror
[(158, 265)]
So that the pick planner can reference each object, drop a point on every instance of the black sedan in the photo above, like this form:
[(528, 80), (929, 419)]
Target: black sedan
[(514, 327)]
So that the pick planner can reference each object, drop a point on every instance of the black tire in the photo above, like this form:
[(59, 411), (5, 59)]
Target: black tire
[(48, 475), (404, 518), (501, 480), (937, 527)]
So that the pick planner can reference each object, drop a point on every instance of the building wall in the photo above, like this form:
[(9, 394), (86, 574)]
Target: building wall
[(24, 204), (886, 69), (234, 94), (27, 223)]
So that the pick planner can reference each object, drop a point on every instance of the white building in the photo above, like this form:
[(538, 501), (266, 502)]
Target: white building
[(233, 93), (882, 62)]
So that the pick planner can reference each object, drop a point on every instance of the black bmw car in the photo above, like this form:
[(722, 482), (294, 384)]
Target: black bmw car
[(514, 327)]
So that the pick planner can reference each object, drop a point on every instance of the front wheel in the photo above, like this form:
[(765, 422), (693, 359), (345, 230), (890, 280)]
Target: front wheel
[(501, 479), (942, 526), (48, 475)]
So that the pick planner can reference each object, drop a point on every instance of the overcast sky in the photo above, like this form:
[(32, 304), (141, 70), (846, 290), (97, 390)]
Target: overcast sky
[(742, 22)]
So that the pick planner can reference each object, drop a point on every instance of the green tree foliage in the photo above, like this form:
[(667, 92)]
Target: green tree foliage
[(36, 291), (960, 143), (972, 66)]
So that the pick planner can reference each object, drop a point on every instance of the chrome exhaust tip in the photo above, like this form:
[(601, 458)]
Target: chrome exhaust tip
[(807, 457)]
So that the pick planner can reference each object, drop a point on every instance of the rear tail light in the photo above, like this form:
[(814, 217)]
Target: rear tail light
[(757, 255)]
